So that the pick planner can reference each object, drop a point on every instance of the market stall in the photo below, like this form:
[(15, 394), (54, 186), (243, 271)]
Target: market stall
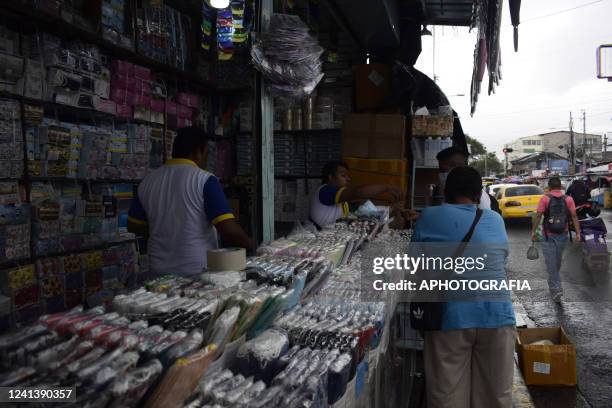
[(247, 338)]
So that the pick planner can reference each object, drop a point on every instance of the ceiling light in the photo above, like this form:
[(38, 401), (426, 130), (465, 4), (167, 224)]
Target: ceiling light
[(425, 31), (220, 4)]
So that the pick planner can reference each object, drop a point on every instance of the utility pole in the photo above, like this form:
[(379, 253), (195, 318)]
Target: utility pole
[(605, 146), (584, 155), (572, 168), (506, 161)]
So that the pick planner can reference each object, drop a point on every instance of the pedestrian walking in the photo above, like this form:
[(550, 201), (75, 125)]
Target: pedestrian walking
[(557, 209)]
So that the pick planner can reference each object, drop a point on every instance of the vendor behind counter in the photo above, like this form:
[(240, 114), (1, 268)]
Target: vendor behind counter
[(180, 208), (331, 200)]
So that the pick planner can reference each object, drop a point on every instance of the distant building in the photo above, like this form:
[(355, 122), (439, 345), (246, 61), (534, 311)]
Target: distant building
[(550, 163), (558, 143)]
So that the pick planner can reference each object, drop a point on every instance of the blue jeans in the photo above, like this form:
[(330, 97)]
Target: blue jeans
[(553, 248)]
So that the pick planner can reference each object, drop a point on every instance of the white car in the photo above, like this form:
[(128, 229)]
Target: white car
[(494, 188)]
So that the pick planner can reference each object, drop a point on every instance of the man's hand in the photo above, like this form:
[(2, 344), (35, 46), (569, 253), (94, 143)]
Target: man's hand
[(534, 237), (577, 237), (409, 214)]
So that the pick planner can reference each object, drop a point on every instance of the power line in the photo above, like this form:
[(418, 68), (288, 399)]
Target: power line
[(561, 11)]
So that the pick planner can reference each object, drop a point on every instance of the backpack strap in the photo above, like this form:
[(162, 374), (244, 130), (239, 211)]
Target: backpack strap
[(461, 248)]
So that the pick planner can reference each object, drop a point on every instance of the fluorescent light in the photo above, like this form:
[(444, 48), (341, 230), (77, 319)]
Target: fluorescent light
[(220, 4)]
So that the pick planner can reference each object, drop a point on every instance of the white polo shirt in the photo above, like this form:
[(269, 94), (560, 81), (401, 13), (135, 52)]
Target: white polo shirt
[(180, 203), (325, 205)]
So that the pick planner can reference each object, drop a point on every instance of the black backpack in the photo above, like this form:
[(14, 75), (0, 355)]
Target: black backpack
[(556, 215)]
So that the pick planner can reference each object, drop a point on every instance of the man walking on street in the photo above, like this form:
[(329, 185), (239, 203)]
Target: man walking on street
[(557, 209)]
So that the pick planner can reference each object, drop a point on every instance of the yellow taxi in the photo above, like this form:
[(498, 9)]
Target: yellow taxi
[(519, 201)]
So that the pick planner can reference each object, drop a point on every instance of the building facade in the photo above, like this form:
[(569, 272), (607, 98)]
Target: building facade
[(558, 143)]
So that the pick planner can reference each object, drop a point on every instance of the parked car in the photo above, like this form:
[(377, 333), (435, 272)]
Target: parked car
[(519, 201)]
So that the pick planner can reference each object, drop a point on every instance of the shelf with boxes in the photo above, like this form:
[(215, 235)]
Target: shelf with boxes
[(53, 284), (430, 134), (171, 60)]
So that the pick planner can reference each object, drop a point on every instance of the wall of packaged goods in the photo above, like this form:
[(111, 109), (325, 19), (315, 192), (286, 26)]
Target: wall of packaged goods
[(91, 97)]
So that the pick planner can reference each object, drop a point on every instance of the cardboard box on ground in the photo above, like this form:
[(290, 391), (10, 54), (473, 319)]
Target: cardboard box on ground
[(546, 364)]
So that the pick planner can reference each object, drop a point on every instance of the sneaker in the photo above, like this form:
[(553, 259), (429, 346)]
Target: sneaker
[(557, 297)]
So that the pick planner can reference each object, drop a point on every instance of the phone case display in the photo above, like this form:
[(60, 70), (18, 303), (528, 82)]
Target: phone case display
[(163, 33), (11, 140), (113, 23)]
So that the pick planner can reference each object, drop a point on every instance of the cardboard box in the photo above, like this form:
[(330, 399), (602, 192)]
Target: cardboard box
[(375, 171), (546, 365), (372, 85), (374, 136)]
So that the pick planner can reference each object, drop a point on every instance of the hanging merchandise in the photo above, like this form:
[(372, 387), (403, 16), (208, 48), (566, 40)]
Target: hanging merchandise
[(288, 56), (240, 30), (208, 17), (487, 50), (225, 32)]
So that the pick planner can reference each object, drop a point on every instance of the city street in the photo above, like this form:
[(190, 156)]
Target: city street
[(585, 314)]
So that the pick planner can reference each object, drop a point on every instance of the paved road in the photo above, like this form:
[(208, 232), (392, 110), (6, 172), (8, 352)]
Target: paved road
[(585, 314)]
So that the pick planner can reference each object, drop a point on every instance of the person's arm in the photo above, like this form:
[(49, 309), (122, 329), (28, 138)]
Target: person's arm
[(534, 227), (232, 235), (137, 218), (220, 216), (538, 218), (368, 192), (571, 207)]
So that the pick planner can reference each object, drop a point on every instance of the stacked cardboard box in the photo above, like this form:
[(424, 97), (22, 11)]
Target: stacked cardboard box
[(432, 125)]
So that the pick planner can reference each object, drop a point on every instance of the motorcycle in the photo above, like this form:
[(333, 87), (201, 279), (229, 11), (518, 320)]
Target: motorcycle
[(593, 231)]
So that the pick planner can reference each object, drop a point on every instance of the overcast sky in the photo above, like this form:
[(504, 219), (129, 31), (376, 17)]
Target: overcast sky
[(553, 73)]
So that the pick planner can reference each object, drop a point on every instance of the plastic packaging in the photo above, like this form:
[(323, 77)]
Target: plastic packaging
[(128, 390), (189, 344), (222, 329), (116, 368), (257, 357), (19, 337)]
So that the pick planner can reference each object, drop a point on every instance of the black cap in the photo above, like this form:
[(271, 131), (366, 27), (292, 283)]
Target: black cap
[(449, 151)]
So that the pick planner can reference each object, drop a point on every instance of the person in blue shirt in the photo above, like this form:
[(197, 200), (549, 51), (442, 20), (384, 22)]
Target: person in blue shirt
[(469, 362), (330, 201)]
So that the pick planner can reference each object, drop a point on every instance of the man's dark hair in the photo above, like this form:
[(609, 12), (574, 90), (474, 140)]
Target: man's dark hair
[(464, 181), (450, 152), (331, 168), (554, 182), (187, 141)]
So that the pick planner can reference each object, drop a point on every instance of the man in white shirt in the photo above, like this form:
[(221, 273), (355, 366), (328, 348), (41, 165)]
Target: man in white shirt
[(180, 208), (448, 159)]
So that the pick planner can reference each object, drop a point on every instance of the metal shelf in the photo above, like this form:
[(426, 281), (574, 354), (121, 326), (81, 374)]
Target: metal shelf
[(82, 180), (77, 110)]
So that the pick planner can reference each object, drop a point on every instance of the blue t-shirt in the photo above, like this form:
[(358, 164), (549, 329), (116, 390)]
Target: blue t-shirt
[(450, 223)]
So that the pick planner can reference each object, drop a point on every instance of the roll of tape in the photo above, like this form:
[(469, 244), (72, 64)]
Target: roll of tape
[(226, 259)]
